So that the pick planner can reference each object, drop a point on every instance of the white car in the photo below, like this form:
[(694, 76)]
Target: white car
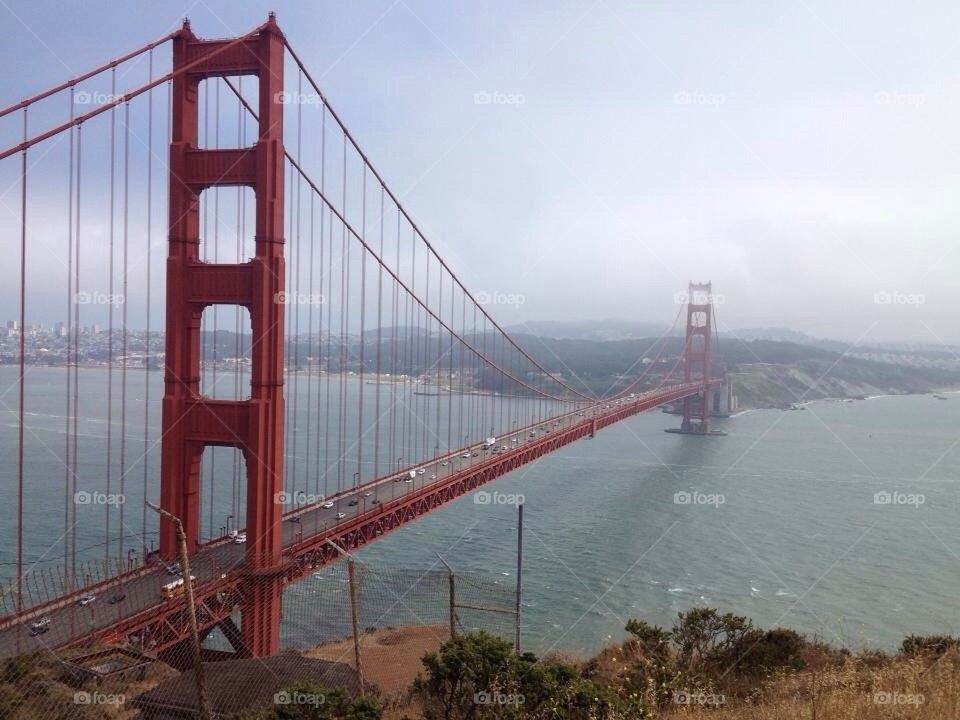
[(368, 493), (341, 515), (240, 538), (328, 504), (420, 471), (85, 600), (408, 480), (444, 463)]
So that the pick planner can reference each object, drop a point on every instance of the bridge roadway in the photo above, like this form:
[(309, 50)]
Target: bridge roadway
[(381, 505)]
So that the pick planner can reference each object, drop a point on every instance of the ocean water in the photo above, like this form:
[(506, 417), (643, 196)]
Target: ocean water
[(838, 520), (784, 525)]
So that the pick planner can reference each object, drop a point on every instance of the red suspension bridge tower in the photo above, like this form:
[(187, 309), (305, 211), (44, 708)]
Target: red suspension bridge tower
[(192, 421), (696, 358)]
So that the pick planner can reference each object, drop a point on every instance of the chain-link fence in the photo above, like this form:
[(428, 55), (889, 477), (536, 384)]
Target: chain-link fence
[(344, 626)]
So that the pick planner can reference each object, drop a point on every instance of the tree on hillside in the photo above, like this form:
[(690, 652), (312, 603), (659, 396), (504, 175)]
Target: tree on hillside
[(477, 676)]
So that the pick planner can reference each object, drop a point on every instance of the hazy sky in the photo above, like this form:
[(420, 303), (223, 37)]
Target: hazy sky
[(802, 155)]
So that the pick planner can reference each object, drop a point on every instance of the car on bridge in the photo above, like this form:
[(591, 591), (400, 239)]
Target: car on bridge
[(328, 504), (85, 600), (40, 626)]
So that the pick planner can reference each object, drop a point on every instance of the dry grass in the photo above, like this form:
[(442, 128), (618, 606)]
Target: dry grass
[(862, 688)]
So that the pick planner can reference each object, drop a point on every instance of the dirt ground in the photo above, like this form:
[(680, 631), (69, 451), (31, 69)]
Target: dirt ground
[(389, 657)]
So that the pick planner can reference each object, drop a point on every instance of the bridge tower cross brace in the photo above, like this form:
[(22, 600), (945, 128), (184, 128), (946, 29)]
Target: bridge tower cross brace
[(696, 357), (191, 421)]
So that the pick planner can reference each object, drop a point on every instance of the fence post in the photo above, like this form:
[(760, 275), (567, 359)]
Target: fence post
[(519, 570), (452, 582), (353, 613)]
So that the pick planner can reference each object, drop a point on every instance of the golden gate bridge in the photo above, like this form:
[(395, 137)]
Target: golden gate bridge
[(366, 386)]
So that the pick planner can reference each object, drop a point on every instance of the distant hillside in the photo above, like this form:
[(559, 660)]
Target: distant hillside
[(767, 373), (600, 330), (769, 333)]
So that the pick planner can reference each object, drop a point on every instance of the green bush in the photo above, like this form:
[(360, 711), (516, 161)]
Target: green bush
[(310, 701), (928, 644), (477, 676)]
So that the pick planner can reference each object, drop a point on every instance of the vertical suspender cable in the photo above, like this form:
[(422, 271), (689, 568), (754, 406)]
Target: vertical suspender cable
[(453, 288), (438, 361), (205, 473), (147, 354), (344, 310), (394, 368), (311, 358), (295, 268), (67, 497), (324, 294), (23, 334), (123, 321), (110, 299), (376, 427), (76, 361), (289, 431), (363, 311), (237, 328)]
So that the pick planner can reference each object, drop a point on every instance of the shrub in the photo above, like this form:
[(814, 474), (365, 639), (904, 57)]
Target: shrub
[(928, 644)]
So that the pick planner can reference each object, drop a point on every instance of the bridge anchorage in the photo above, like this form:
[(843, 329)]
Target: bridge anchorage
[(378, 388)]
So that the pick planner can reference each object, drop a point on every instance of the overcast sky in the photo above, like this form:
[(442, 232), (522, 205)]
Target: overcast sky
[(590, 158)]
